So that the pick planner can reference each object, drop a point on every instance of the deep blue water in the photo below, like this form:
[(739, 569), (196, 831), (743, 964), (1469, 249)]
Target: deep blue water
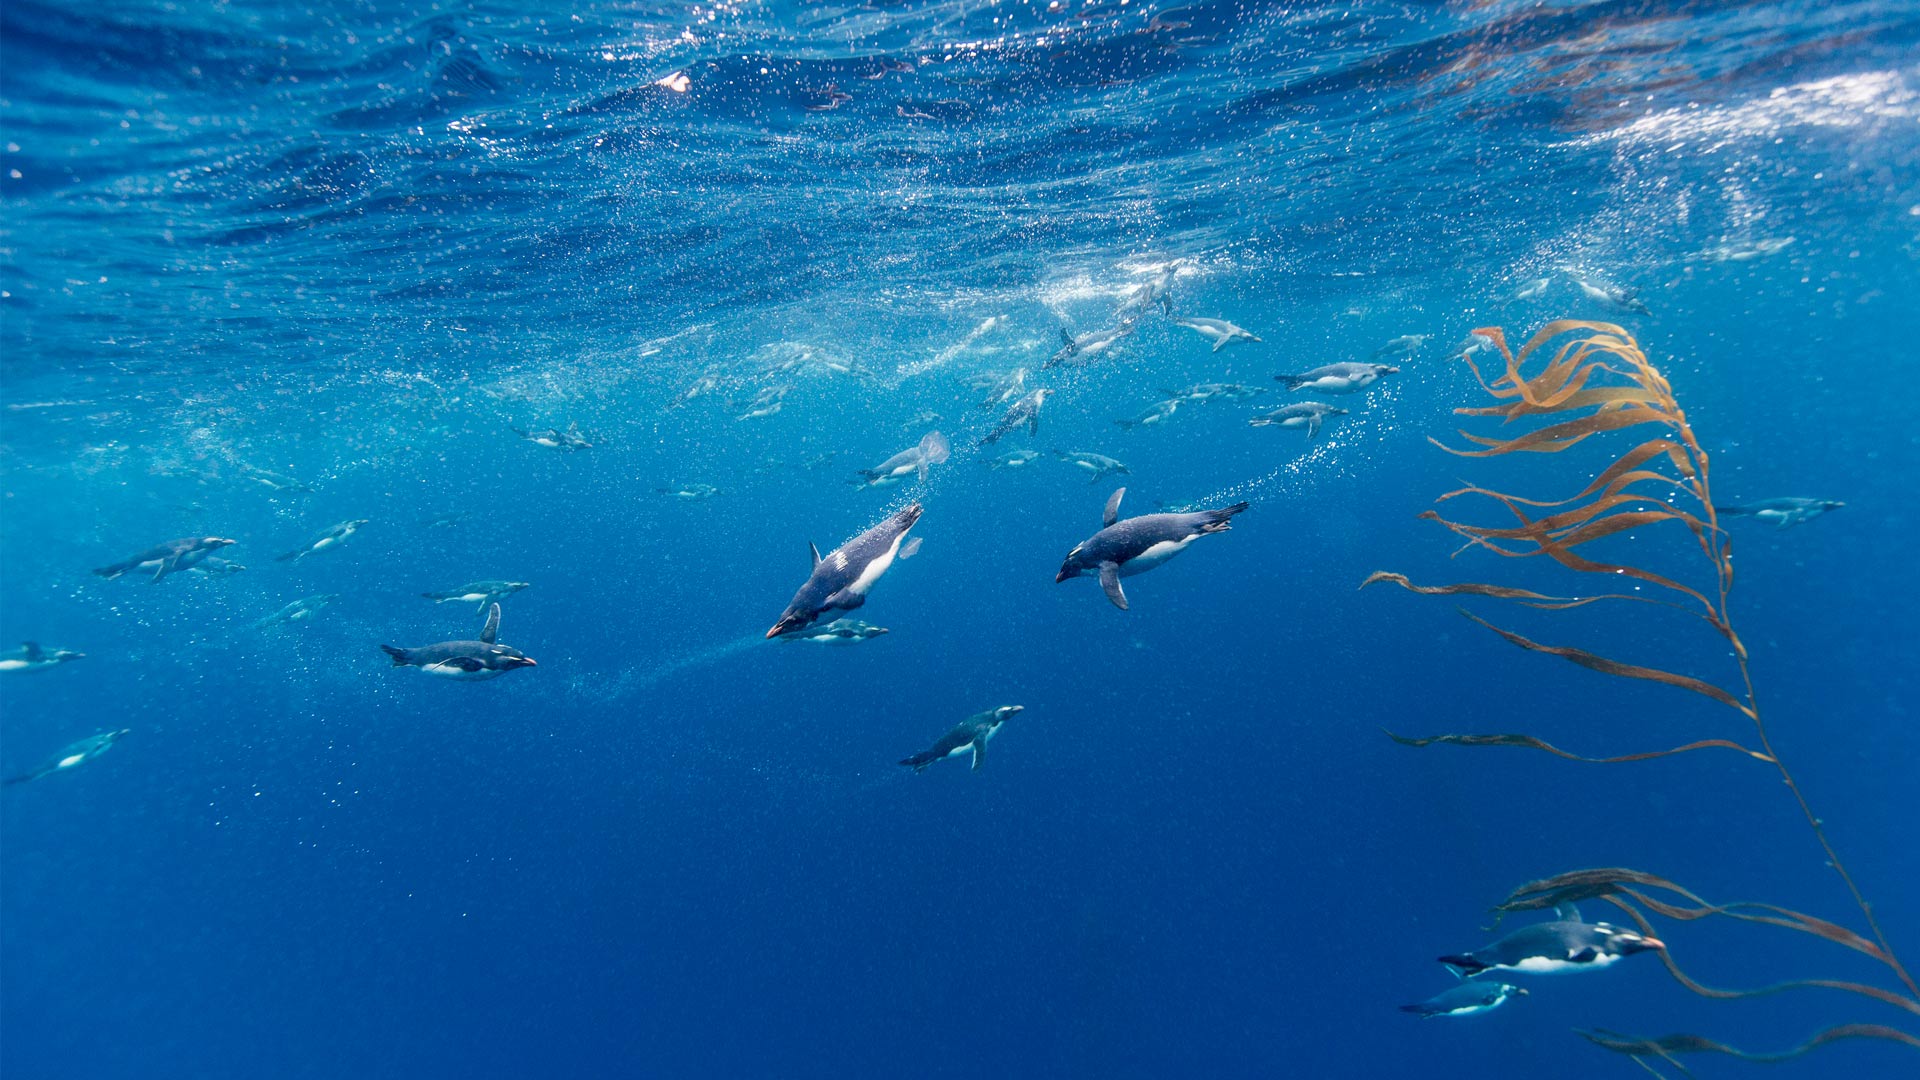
[(357, 246)]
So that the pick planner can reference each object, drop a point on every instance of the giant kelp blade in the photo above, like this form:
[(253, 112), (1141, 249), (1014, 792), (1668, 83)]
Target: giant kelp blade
[(1667, 1045), (1529, 742), (1605, 666)]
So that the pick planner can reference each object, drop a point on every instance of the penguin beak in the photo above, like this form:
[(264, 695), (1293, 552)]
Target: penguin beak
[(1521, 990), (527, 661), (1653, 943)]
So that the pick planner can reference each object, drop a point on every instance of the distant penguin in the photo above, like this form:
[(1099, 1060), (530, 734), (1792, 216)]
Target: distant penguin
[(31, 657), (75, 754), (689, 492), (481, 593), (1089, 346), (1096, 465), (555, 439), (1404, 345), (1136, 545), (332, 538), (1024, 412), (1565, 944), (1349, 378), (1305, 414), (1783, 513), (215, 566), (1157, 413), (1618, 297), (1014, 459), (970, 736), (837, 632), (1219, 331), (1000, 387), (1206, 392), (299, 611), (841, 580), (1466, 999), (468, 661), (169, 558), (1530, 290), (914, 461)]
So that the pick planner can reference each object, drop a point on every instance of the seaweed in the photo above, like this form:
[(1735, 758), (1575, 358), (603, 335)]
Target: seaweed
[(1596, 381)]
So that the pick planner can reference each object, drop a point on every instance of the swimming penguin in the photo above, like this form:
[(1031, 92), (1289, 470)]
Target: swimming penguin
[(1746, 252), (933, 449), (837, 632), (1404, 345), (1137, 545), (1784, 513), (1025, 411), (706, 384), (1219, 331), (1013, 459), (333, 537), (1147, 296), (1466, 999), (1305, 414), (689, 492), (970, 736), (1346, 378), (1154, 414), (1566, 944), (1000, 387), (841, 580), (483, 593), (31, 657), (1531, 290), (1474, 342), (299, 611), (85, 750), (1098, 464), (469, 661), (1214, 391), (766, 403), (274, 481), (169, 558), (1614, 296), (555, 439), (215, 566), (1088, 346)]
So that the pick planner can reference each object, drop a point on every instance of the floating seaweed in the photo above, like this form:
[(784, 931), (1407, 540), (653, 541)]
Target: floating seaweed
[(1597, 381)]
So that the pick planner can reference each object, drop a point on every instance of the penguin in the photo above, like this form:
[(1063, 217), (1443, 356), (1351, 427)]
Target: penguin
[(1013, 459), (1746, 252), (1000, 387), (1305, 414), (85, 750), (468, 661), (1098, 464), (215, 566), (1474, 342), (837, 632), (302, 610), (1565, 944), (274, 481), (970, 736), (1136, 545), (1531, 290), (1088, 346), (706, 384), (1219, 331), (1206, 392), (1025, 411), (1614, 296), (1154, 414), (483, 593), (1145, 297), (689, 492), (841, 580), (31, 657), (933, 449), (445, 521), (1466, 999), (169, 558), (555, 439), (1338, 378), (1784, 513), (766, 403), (333, 537), (1404, 345)]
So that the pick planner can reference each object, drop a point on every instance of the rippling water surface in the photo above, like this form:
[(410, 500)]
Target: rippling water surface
[(270, 267)]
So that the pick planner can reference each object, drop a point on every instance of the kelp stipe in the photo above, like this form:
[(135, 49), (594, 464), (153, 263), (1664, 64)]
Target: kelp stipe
[(1598, 381)]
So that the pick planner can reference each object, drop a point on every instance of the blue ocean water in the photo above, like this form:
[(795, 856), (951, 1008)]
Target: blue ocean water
[(272, 267)]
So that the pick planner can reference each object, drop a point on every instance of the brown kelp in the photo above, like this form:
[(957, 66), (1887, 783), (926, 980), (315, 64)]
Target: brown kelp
[(1595, 382)]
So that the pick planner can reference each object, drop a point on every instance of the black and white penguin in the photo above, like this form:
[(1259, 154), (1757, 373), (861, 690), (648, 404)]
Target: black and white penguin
[(1022, 413), (31, 657), (469, 661), (968, 737), (483, 593), (1349, 378), (840, 581), (1549, 948), (1137, 545), (837, 632), (332, 538), (1784, 513), (932, 449), (1466, 999), (85, 750), (169, 558)]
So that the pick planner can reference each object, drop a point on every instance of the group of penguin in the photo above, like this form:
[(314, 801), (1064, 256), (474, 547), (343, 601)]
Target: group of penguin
[(1567, 943)]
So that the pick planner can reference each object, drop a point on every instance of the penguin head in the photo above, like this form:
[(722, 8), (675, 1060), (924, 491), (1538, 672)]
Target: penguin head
[(1627, 942), (790, 620), (1385, 369), (506, 659), (216, 542), (1071, 568), (1831, 504)]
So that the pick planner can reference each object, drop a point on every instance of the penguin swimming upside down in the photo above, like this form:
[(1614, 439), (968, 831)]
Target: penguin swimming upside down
[(468, 661), (970, 736), (1550, 948), (1137, 545), (169, 558), (841, 579)]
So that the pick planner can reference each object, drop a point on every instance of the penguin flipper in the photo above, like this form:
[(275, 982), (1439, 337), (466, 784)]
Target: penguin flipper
[(1110, 583), (492, 630), (1313, 426), (911, 548), (33, 651), (979, 751), (166, 567), (815, 548), (1111, 513), (1567, 911), (1463, 966)]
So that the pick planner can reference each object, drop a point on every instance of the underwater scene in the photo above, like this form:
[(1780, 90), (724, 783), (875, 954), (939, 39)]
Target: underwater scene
[(959, 538)]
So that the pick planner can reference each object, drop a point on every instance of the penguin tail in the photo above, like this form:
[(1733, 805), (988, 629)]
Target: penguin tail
[(400, 658), (1125, 425), (289, 556), (918, 762), (111, 572), (1294, 382), (1464, 966), (1418, 1010), (1730, 511)]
